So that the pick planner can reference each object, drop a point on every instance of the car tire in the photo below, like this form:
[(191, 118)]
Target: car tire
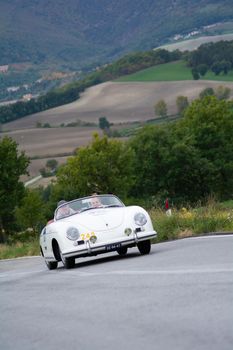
[(51, 265), (122, 251), (144, 247), (68, 263)]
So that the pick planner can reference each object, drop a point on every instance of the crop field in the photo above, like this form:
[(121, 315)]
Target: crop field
[(119, 102), (49, 143)]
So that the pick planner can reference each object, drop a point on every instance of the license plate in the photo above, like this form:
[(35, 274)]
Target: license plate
[(113, 246)]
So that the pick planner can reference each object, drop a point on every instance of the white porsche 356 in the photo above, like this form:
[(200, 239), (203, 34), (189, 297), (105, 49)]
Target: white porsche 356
[(94, 225)]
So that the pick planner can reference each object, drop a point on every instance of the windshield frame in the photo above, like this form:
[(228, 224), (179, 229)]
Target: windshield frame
[(80, 205)]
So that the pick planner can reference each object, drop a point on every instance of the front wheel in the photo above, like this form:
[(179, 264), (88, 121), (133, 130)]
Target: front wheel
[(144, 247), (68, 263), (51, 265)]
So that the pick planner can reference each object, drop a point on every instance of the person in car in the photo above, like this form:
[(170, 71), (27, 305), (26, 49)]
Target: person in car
[(63, 209), (96, 202)]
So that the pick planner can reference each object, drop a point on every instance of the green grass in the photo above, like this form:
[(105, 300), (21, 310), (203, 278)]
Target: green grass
[(188, 222), (15, 250), (222, 77), (163, 72), (173, 71)]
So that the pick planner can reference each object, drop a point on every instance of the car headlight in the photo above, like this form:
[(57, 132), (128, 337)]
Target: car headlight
[(72, 233), (140, 219)]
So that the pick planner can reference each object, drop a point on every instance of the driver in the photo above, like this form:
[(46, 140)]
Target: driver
[(96, 202)]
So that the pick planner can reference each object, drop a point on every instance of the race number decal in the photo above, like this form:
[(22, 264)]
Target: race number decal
[(86, 236)]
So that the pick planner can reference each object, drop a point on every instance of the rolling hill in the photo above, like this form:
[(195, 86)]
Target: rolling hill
[(120, 102)]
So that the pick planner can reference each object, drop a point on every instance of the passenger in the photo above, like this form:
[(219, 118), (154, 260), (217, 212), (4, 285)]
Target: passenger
[(64, 210)]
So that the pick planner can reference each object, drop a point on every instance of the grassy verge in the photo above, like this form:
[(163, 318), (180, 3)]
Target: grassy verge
[(192, 222), (8, 251)]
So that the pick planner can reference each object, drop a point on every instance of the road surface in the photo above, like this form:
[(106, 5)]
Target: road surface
[(178, 297)]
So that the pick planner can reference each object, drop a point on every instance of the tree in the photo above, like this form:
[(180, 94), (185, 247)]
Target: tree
[(13, 164), (222, 92), (195, 74), (52, 164), (30, 214), (190, 159), (181, 103), (226, 66), (104, 167), (216, 67), (161, 108), (104, 123), (202, 69), (167, 164), (206, 92), (208, 123), (151, 146)]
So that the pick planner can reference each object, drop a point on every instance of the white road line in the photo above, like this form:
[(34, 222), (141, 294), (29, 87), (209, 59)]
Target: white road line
[(214, 235), (151, 272)]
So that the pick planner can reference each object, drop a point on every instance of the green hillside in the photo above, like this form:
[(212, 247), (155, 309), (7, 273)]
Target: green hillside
[(75, 33), (172, 71)]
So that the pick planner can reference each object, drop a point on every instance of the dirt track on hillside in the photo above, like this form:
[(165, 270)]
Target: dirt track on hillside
[(118, 102)]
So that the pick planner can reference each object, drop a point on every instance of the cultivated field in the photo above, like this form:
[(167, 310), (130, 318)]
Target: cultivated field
[(119, 102), (49, 143), (193, 44)]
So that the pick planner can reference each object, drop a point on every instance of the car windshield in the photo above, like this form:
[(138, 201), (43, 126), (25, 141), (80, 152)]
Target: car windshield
[(78, 206)]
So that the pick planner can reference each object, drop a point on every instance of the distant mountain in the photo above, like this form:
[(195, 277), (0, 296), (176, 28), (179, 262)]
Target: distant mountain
[(76, 33)]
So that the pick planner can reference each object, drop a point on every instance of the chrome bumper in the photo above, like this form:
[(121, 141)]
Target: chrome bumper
[(89, 248)]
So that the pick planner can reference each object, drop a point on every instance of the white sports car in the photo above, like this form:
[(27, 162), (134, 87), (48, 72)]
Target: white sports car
[(94, 225)]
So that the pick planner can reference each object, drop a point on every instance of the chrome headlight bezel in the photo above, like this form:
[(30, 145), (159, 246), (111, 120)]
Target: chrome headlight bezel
[(72, 233), (140, 219)]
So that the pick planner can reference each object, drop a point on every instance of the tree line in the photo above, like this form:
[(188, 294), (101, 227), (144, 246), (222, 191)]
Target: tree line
[(186, 161), (216, 57)]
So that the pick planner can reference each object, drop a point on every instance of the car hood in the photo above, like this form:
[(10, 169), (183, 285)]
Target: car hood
[(99, 219)]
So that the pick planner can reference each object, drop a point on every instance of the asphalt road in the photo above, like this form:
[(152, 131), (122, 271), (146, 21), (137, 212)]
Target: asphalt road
[(178, 297)]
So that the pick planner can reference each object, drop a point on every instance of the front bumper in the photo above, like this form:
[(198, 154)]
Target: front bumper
[(88, 248)]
